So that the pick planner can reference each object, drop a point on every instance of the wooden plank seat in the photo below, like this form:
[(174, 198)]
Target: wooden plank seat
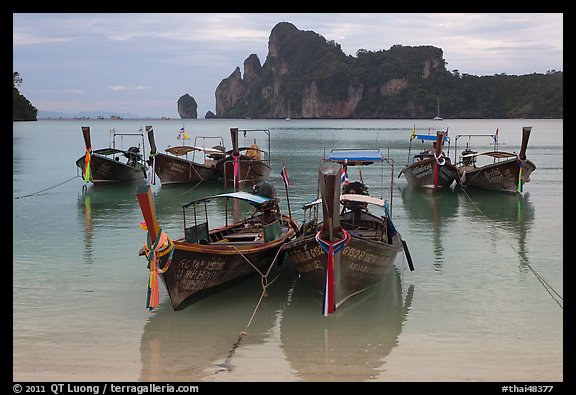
[(237, 236)]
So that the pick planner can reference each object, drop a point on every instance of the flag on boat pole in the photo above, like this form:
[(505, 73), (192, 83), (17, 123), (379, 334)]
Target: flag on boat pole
[(284, 175), (413, 135), (495, 137), (344, 180), (182, 134)]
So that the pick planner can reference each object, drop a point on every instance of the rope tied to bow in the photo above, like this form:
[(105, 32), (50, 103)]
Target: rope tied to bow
[(440, 159)]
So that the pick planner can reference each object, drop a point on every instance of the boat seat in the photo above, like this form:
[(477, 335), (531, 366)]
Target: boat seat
[(242, 236), (239, 242)]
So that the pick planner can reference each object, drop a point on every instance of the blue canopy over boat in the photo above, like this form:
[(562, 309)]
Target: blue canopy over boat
[(355, 156), (255, 200), (427, 137)]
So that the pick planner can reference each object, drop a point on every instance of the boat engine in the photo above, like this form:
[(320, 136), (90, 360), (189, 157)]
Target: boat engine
[(355, 187), (266, 189), (133, 155), (468, 161)]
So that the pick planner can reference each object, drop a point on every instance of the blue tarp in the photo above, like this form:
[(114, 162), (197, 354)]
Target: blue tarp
[(427, 137), (356, 156)]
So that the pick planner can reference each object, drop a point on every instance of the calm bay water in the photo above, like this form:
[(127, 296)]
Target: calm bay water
[(483, 304)]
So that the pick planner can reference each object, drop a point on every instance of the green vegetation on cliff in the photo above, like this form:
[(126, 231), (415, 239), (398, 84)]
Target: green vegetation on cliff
[(22, 109), (306, 76)]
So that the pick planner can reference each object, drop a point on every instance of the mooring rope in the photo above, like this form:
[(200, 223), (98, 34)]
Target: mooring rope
[(190, 189), (550, 289), (44, 190), (265, 284)]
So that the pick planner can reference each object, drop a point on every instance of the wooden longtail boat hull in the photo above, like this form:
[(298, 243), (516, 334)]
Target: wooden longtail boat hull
[(105, 170), (351, 249), (421, 174), (251, 171), (173, 170), (363, 263), (197, 271), (499, 176)]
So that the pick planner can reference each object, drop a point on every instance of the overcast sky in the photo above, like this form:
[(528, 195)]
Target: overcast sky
[(142, 63)]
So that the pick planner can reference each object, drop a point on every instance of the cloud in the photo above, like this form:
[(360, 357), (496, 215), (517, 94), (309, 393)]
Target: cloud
[(127, 88), (103, 54)]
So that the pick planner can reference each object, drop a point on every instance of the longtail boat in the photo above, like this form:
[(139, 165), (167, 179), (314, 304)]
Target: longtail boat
[(113, 165), (245, 165), (501, 171), (175, 166), (430, 169), (207, 259), (350, 248)]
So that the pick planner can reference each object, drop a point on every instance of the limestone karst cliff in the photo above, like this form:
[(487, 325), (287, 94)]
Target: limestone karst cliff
[(306, 76), (187, 107)]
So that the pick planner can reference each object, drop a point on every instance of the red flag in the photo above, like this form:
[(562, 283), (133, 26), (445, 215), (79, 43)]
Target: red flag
[(344, 177), (284, 175)]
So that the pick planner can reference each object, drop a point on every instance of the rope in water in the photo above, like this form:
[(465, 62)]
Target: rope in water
[(550, 289), (44, 190), (265, 284)]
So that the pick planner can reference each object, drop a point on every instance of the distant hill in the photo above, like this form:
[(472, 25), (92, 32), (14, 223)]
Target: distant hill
[(87, 114), (306, 76), (22, 109)]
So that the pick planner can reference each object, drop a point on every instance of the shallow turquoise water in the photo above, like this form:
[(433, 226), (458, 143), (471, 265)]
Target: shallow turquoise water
[(483, 302)]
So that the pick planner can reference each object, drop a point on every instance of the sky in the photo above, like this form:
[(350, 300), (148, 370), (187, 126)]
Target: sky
[(142, 63)]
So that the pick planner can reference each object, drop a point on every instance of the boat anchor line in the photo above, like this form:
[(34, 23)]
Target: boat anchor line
[(550, 289), (43, 190), (226, 365)]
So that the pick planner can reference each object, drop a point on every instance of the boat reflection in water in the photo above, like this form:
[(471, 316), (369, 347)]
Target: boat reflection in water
[(512, 214), (431, 213), (351, 345), (200, 342), (101, 209)]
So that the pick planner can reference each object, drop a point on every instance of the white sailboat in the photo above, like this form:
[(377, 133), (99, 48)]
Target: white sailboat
[(438, 117)]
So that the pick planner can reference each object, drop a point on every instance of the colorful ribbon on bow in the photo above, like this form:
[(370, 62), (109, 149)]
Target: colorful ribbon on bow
[(87, 158), (162, 246), (521, 175), (331, 248)]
